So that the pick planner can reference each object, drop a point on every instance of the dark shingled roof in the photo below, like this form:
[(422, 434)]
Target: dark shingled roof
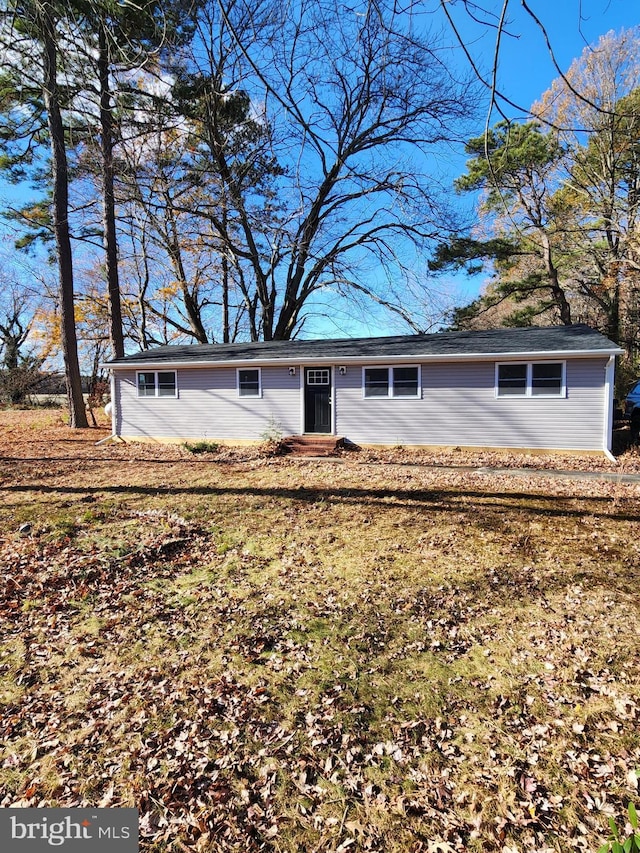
[(523, 341)]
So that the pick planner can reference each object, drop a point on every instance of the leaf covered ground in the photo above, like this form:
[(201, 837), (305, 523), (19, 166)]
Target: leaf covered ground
[(289, 655)]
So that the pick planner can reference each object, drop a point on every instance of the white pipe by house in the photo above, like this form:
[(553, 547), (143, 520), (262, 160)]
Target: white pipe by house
[(110, 409), (113, 403), (609, 377)]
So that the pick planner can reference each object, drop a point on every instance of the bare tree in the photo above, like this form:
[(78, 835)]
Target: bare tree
[(157, 197), (327, 175), (20, 364)]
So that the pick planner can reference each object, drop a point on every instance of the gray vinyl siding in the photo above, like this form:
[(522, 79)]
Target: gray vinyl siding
[(208, 406), (459, 407)]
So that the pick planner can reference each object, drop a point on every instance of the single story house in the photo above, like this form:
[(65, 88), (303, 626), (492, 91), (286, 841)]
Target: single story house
[(526, 388)]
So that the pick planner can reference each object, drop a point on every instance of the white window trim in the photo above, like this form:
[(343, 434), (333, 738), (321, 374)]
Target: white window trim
[(528, 394), (157, 395), (249, 396), (391, 368)]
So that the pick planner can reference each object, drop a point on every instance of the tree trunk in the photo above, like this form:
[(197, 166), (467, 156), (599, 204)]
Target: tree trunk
[(60, 180), (559, 296), (11, 344), (108, 199)]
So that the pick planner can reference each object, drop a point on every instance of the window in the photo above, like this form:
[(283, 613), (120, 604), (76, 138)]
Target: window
[(376, 382), (405, 381), (249, 382), (318, 376), (546, 379), (157, 383), (512, 380), (391, 382), (534, 379)]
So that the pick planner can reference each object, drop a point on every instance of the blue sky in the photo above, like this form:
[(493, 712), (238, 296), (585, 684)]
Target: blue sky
[(525, 67)]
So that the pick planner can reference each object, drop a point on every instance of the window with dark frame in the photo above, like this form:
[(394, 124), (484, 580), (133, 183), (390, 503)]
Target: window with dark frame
[(249, 382)]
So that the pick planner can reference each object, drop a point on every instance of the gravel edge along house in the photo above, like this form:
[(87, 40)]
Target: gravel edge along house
[(535, 389)]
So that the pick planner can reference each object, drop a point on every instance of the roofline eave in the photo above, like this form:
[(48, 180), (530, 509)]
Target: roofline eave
[(361, 359)]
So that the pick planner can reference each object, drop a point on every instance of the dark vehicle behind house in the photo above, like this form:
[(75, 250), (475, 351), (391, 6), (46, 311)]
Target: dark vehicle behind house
[(632, 410)]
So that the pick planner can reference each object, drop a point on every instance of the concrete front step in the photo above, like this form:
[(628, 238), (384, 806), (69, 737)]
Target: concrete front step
[(312, 445)]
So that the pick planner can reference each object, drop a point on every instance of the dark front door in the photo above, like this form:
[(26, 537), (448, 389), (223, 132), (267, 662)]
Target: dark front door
[(317, 399)]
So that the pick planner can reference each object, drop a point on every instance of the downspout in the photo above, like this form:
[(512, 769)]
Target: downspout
[(114, 436), (113, 402), (609, 376)]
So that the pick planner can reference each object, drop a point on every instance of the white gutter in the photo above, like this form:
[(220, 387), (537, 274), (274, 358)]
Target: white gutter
[(609, 376)]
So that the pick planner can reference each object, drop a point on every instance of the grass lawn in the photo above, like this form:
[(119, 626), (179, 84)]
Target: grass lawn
[(291, 655)]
